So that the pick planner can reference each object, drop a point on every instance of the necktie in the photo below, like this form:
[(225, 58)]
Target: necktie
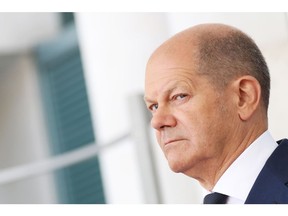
[(215, 198)]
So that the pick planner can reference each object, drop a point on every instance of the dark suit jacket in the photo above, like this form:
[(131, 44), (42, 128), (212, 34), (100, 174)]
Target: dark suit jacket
[(271, 185)]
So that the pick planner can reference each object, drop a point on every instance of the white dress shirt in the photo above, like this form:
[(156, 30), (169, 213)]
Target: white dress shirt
[(238, 179)]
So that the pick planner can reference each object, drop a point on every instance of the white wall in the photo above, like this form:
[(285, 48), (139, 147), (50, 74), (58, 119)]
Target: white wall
[(115, 50), (278, 64)]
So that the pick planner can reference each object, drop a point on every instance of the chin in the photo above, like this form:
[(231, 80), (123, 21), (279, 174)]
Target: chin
[(176, 166)]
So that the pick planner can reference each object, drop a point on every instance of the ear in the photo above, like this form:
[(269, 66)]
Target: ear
[(248, 94)]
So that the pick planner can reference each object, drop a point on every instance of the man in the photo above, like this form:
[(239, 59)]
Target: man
[(208, 90)]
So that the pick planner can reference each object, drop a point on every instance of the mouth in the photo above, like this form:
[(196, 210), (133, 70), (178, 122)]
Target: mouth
[(172, 141)]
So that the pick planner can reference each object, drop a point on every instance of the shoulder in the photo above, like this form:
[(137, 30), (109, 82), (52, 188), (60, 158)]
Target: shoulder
[(271, 185), (277, 163)]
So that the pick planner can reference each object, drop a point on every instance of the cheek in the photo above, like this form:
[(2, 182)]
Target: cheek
[(203, 123), (213, 127), (158, 137)]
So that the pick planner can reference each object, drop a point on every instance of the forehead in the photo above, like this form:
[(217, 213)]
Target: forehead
[(170, 58), (168, 66), (164, 78), (175, 60)]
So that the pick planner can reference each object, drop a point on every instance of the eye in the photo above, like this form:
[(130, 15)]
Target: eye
[(180, 96), (153, 107)]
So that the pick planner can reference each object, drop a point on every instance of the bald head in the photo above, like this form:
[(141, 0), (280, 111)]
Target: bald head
[(220, 52), (189, 42)]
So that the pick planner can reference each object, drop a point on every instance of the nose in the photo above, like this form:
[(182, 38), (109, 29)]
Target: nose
[(162, 118)]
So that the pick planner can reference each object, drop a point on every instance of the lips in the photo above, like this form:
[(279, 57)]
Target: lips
[(172, 141)]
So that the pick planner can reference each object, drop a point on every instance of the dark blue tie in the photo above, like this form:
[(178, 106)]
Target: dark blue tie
[(215, 198)]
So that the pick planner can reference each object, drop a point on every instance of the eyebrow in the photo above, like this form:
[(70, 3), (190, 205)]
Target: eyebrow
[(165, 92), (146, 99)]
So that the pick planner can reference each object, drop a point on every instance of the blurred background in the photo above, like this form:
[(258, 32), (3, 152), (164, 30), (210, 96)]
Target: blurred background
[(73, 125)]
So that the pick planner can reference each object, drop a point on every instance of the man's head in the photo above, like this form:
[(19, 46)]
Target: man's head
[(208, 90)]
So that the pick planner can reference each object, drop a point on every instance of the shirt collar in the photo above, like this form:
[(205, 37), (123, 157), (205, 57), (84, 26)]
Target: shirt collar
[(239, 178)]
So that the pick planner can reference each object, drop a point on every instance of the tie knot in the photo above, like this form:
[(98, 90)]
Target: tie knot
[(215, 198)]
